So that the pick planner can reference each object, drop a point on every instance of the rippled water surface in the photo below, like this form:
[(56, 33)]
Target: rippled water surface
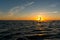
[(20, 30)]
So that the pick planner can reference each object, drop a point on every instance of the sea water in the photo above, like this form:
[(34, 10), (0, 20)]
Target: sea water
[(16, 29)]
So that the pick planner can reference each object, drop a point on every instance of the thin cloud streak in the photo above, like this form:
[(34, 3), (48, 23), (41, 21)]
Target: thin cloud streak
[(29, 4), (15, 11)]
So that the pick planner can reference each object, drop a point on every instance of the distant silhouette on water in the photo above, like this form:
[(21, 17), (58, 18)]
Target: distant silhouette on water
[(39, 20)]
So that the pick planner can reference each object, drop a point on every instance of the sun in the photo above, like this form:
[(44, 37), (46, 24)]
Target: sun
[(40, 18)]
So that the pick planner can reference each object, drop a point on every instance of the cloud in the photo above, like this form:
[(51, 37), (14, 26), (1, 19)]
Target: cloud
[(29, 4), (18, 9), (53, 5), (15, 11), (53, 12)]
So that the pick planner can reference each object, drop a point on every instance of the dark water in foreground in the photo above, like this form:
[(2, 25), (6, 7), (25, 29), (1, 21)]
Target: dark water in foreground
[(29, 30)]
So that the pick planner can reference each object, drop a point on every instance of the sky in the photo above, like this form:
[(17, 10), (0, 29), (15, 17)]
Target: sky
[(29, 9)]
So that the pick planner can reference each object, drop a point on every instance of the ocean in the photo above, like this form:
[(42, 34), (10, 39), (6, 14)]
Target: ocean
[(29, 30)]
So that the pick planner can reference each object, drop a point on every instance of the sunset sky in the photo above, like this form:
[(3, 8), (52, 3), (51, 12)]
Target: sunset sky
[(29, 9)]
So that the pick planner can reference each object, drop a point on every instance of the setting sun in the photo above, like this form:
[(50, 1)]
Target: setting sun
[(40, 18)]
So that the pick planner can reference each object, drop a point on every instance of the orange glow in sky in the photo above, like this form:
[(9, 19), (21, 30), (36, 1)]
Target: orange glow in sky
[(40, 18)]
